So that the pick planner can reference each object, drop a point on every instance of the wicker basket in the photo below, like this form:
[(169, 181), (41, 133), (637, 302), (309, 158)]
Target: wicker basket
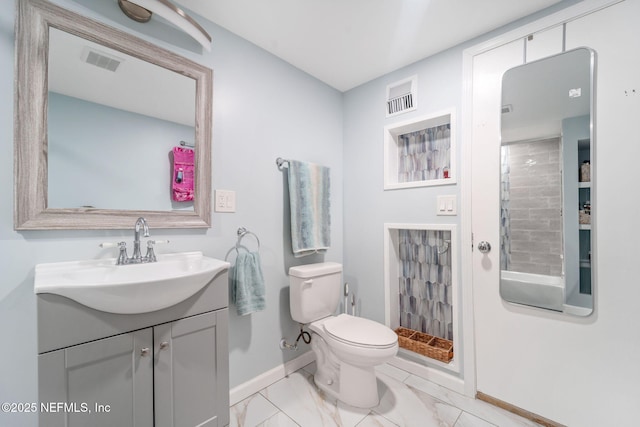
[(425, 344), (404, 336)]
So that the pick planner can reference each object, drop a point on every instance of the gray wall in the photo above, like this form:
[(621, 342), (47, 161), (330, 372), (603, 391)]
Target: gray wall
[(263, 108), (535, 207)]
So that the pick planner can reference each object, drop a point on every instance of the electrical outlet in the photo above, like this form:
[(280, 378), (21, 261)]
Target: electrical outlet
[(225, 201)]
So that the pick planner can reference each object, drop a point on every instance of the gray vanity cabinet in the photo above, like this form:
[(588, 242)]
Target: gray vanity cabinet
[(168, 368), (104, 383), (187, 370)]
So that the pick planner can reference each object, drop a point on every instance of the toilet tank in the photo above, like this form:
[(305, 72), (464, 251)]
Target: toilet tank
[(314, 291)]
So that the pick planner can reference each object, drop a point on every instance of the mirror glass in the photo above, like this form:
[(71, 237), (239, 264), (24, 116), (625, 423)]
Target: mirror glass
[(95, 131), (112, 121), (547, 197)]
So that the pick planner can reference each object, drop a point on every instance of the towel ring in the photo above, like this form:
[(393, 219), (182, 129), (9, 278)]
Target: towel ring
[(241, 233)]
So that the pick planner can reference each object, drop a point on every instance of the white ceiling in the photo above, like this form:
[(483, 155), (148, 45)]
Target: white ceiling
[(345, 43)]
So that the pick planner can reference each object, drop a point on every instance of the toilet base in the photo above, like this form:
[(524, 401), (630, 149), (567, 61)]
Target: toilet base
[(357, 386), (354, 385)]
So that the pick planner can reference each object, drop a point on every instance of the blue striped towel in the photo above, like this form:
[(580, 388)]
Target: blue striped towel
[(310, 208)]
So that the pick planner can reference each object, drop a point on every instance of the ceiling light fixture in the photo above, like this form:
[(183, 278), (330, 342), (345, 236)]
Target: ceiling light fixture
[(141, 11)]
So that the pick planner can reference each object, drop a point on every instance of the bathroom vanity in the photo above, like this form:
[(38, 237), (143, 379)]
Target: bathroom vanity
[(168, 367)]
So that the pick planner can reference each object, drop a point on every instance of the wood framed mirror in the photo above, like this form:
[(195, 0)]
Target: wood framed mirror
[(37, 201)]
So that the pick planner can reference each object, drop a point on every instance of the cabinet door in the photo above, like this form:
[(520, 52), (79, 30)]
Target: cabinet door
[(107, 383), (191, 371)]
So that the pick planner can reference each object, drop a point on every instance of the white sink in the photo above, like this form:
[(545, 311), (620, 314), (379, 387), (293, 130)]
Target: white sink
[(129, 289)]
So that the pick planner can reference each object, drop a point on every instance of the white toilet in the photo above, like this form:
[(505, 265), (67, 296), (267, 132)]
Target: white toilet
[(346, 347)]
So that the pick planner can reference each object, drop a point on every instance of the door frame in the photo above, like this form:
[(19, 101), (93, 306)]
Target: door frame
[(466, 230)]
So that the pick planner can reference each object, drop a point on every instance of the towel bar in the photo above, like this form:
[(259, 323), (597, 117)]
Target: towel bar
[(280, 162)]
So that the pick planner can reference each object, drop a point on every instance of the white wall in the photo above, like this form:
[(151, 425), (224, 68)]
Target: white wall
[(578, 371), (263, 108)]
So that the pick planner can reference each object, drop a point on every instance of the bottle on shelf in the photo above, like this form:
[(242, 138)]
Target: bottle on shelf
[(585, 171)]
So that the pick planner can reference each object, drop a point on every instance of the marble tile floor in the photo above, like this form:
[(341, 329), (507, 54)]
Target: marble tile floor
[(405, 401)]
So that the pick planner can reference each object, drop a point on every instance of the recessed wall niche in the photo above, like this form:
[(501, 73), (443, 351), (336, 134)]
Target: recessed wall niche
[(421, 287), (420, 152)]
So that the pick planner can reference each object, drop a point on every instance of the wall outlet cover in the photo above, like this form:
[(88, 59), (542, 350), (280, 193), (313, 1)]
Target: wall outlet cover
[(225, 201), (446, 205)]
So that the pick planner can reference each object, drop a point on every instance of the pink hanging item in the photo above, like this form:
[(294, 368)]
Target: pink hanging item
[(182, 182)]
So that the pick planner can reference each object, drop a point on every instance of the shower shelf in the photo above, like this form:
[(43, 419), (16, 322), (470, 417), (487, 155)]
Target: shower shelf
[(420, 152), (420, 276)]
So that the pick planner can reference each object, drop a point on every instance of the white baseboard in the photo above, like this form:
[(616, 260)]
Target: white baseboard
[(434, 375), (254, 385)]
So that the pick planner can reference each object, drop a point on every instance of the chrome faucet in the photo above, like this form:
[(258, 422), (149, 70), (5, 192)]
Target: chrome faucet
[(136, 258)]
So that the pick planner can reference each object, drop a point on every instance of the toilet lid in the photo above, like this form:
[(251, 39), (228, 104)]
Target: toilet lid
[(360, 331)]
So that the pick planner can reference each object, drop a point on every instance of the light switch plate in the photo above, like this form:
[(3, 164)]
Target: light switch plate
[(446, 205), (225, 201)]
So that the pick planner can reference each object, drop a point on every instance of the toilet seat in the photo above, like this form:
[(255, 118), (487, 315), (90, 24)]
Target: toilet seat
[(357, 331)]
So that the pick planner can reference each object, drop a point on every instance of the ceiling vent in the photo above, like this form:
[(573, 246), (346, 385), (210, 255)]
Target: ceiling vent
[(101, 59), (402, 96)]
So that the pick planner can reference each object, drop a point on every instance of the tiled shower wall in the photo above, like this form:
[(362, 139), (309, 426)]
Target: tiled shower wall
[(425, 284), (424, 154), (531, 221)]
